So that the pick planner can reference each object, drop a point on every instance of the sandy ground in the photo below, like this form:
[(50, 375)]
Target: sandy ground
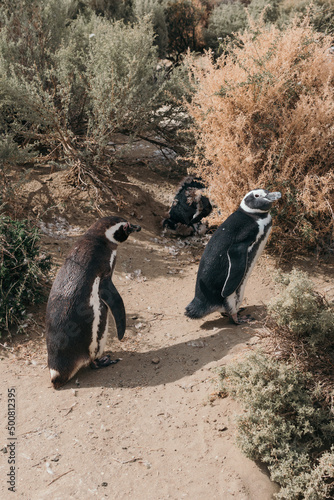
[(151, 426)]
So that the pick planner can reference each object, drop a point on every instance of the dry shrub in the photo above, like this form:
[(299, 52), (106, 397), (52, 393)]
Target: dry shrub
[(264, 115), (301, 326), (284, 424)]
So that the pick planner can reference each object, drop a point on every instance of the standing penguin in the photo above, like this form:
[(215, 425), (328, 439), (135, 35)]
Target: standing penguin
[(82, 293), (230, 256)]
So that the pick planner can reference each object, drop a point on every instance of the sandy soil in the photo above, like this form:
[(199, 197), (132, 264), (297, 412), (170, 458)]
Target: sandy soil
[(151, 426)]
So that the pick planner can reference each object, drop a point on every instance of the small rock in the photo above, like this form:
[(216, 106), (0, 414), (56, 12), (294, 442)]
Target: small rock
[(156, 361), (104, 484), (48, 468)]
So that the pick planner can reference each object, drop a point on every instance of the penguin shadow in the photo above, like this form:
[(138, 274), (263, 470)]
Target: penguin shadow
[(169, 363)]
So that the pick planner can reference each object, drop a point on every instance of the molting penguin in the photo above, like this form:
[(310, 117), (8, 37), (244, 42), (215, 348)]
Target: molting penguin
[(82, 293), (230, 256), (189, 207)]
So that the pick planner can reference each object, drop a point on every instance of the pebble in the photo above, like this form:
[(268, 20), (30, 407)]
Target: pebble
[(156, 361)]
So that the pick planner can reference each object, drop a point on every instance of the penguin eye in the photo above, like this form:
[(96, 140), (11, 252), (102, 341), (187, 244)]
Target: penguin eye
[(256, 195)]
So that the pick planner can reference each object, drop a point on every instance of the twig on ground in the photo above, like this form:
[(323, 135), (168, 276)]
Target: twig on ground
[(61, 475)]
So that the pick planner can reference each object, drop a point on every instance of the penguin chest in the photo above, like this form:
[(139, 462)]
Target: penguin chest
[(96, 305), (100, 315), (256, 249)]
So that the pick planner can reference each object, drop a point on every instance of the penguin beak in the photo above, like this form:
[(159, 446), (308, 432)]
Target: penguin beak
[(131, 228), (274, 196)]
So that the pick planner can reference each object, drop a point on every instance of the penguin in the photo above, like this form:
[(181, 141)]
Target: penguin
[(81, 294), (230, 256), (189, 207)]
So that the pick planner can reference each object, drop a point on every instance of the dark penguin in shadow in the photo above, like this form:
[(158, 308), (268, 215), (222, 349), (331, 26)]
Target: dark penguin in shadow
[(79, 300), (230, 255), (189, 207)]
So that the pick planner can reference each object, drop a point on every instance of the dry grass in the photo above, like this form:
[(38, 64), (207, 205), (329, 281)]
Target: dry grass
[(264, 117)]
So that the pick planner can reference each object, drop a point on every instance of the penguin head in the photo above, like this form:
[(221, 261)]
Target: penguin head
[(115, 229), (259, 201), (120, 231)]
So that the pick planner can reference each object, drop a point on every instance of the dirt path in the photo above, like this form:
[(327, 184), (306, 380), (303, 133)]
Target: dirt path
[(149, 427), (146, 428)]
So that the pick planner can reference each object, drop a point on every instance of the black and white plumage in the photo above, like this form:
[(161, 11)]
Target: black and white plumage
[(79, 300), (189, 207), (230, 255)]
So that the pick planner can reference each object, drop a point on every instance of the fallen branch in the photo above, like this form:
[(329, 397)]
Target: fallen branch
[(133, 459), (61, 475)]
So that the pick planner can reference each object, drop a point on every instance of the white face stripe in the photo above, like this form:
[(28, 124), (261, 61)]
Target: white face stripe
[(109, 234), (94, 302), (260, 192)]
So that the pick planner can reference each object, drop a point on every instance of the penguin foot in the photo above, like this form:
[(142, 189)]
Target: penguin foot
[(102, 362), (239, 320), (226, 315)]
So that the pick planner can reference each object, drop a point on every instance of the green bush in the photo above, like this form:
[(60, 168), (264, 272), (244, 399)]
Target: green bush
[(126, 92), (156, 9), (225, 19), (303, 311), (69, 80), (36, 105), (228, 18), (113, 9), (22, 267), (285, 425)]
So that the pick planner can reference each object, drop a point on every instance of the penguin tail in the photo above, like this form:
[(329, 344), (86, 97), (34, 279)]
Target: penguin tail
[(57, 379), (196, 309)]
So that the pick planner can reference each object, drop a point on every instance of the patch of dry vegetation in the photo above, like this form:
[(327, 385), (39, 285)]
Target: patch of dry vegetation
[(264, 115), (287, 393), (301, 323)]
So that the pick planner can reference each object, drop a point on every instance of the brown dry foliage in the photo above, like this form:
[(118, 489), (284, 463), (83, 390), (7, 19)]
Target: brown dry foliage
[(264, 117)]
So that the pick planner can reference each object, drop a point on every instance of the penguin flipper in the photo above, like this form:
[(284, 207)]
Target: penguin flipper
[(110, 296), (238, 257)]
